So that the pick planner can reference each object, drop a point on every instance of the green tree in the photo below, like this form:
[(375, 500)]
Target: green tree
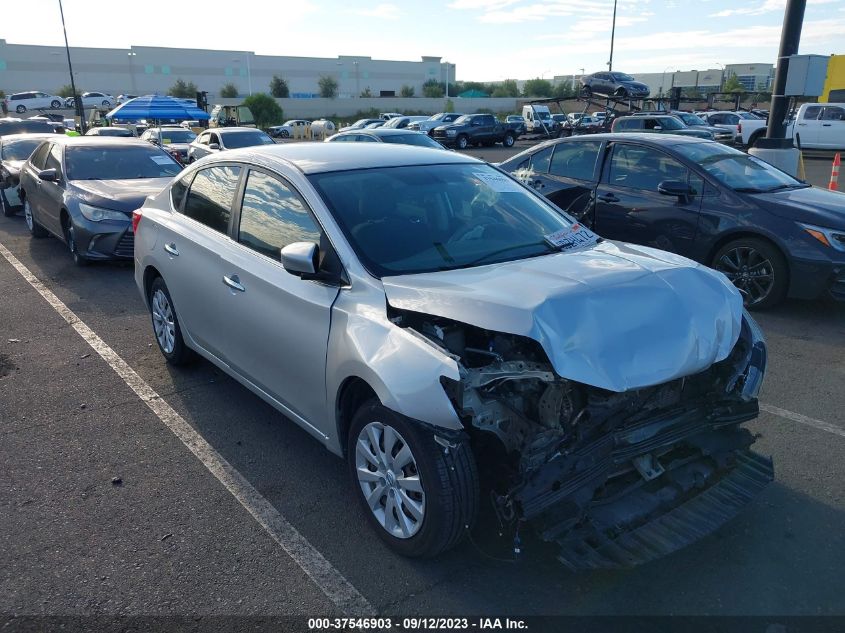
[(229, 91), (328, 86), (732, 84), (279, 87), (183, 90), (433, 89), (65, 91), (564, 90), (366, 94), (406, 91), (537, 88), (265, 109), (507, 88), (450, 107)]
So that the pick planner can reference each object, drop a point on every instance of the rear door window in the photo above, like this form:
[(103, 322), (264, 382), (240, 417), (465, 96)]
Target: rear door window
[(832, 113), (209, 200), (575, 160)]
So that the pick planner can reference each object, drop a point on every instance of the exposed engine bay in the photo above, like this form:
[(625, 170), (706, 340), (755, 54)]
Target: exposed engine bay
[(615, 479)]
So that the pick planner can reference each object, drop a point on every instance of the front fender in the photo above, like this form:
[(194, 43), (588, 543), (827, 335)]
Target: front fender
[(403, 369)]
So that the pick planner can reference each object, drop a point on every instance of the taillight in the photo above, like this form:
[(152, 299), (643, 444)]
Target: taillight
[(136, 220)]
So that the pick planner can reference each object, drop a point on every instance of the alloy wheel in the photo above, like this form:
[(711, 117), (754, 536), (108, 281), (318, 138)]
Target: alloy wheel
[(750, 271), (389, 479), (163, 322)]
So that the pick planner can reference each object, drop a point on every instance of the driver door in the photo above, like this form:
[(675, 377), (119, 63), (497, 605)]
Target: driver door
[(629, 207)]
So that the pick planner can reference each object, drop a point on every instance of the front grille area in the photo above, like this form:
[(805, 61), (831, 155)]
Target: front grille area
[(126, 246)]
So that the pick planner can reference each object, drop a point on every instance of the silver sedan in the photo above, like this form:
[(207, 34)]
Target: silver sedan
[(449, 331)]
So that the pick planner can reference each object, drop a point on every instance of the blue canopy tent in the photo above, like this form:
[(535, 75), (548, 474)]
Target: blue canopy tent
[(157, 108)]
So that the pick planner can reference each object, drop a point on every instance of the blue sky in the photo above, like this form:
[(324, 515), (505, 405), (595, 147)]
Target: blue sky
[(487, 39)]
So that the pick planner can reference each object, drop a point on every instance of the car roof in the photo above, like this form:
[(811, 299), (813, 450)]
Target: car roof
[(315, 158), (382, 131), (655, 139), (26, 135), (98, 140), (226, 130)]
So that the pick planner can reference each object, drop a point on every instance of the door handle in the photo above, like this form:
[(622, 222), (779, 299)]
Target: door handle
[(233, 282), (825, 124), (171, 248), (608, 197)]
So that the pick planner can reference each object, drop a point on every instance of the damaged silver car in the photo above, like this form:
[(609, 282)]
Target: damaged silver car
[(461, 341)]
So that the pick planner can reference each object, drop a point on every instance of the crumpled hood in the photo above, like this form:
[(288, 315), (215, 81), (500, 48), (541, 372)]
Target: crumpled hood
[(615, 316), (120, 195)]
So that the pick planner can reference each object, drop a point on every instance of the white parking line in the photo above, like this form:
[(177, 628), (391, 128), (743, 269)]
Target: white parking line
[(803, 419), (330, 581)]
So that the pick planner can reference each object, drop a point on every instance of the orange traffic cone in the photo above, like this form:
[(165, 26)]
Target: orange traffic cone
[(834, 173)]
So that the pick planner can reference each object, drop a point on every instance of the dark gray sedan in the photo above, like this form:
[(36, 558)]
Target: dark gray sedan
[(385, 135), (83, 190)]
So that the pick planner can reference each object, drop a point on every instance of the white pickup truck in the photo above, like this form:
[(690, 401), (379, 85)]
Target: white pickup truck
[(816, 126)]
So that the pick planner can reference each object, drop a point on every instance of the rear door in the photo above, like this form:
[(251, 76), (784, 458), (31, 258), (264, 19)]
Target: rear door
[(190, 242), (629, 207), (832, 128), (278, 324), (572, 176)]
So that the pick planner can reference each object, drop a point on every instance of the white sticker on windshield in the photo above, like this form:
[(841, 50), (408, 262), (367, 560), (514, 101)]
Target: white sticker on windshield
[(161, 160), (573, 237), (497, 182)]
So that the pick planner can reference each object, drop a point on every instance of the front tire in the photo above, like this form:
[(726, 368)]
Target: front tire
[(462, 141), (757, 268), (419, 496), (35, 229), (509, 140), (70, 237), (284, 134), (20, 109), (55, 104), (166, 328)]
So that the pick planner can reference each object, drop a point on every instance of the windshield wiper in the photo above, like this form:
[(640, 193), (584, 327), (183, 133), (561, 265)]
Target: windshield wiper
[(749, 190), (478, 260), (786, 186)]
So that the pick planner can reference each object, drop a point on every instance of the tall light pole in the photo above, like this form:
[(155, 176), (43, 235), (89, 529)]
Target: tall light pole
[(131, 55), (447, 79), (77, 101), (612, 35), (356, 65)]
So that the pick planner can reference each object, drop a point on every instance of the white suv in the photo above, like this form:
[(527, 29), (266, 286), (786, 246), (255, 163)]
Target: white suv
[(20, 102)]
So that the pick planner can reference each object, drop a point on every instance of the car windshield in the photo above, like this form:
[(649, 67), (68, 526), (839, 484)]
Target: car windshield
[(545, 116), (175, 136), (425, 218), (670, 123), (737, 170), (690, 119), (19, 150), (24, 127), (622, 77), (117, 162), (465, 118), (437, 117), (358, 123), (423, 140), (113, 131), (234, 140)]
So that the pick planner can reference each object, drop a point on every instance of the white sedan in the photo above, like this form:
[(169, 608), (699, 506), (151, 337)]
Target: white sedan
[(93, 100)]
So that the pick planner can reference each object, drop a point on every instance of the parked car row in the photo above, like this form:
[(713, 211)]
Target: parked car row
[(21, 102)]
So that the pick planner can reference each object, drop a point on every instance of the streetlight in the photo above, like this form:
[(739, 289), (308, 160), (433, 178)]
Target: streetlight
[(77, 101), (722, 77), (447, 79), (663, 80), (355, 65), (612, 35), (248, 71), (130, 55)]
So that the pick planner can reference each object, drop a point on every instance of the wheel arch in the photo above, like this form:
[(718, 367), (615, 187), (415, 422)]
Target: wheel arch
[(746, 234), (151, 273), (353, 392)]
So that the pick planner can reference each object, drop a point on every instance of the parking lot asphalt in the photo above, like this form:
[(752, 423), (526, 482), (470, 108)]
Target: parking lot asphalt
[(167, 538)]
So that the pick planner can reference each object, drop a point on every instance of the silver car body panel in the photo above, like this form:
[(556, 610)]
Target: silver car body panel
[(616, 316)]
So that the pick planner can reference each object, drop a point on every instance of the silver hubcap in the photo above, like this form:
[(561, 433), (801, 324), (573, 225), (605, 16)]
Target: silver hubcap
[(163, 322), (389, 479), (27, 213)]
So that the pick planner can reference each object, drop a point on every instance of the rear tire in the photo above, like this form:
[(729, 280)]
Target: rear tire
[(166, 328), (753, 264), (752, 142), (20, 109), (35, 229), (438, 510)]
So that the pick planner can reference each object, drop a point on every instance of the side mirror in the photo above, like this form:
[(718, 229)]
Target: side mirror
[(214, 146), (301, 258), (48, 175), (674, 188)]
